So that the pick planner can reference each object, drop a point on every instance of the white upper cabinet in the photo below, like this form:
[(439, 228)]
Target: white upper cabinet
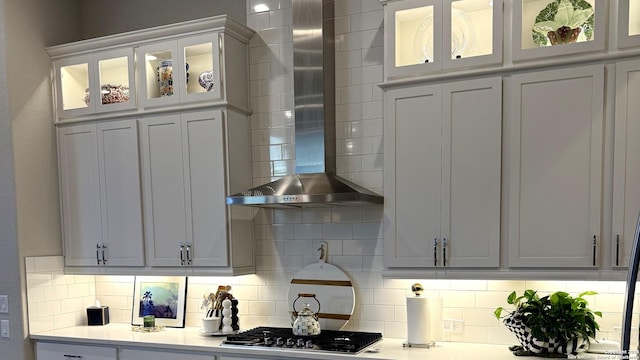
[(88, 84), (100, 194), (186, 64), (550, 28), (555, 170), (626, 168), (628, 23), (442, 208), (426, 36), (180, 71)]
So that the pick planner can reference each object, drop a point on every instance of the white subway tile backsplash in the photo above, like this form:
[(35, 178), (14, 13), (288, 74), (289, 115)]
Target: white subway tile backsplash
[(307, 231)]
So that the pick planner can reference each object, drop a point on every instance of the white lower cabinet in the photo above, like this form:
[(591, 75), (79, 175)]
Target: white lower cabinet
[(188, 169), (100, 194), (626, 168), (61, 351), (165, 354), (443, 175), (555, 168)]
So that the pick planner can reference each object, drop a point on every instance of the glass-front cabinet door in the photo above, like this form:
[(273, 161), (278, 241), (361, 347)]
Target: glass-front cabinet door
[(474, 33), (426, 36), (202, 63), (628, 23), (548, 28), (179, 71), (73, 92), (115, 85), (156, 75), (413, 44), (89, 84)]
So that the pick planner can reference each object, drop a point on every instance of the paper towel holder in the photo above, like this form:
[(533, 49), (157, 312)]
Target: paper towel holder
[(418, 289)]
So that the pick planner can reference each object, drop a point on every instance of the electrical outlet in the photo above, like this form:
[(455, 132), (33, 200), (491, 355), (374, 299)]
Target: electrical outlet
[(4, 328), (447, 325), (457, 326), (4, 304)]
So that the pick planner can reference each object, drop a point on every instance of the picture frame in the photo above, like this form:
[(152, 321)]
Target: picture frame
[(161, 296)]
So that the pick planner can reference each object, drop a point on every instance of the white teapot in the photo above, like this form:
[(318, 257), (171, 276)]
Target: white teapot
[(305, 322)]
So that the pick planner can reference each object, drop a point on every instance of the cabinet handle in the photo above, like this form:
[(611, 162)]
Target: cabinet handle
[(444, 251), (104, 258), (617, 249), (594, 250), (72, 356), (98, 253), (182, 254), (188, 253), (435, 252)]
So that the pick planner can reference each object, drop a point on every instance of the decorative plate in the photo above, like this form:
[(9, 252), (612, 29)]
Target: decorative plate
[(564, 16), (461, 37)]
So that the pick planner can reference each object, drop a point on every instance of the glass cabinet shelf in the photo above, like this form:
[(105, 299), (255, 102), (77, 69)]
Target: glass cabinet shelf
[(547, 28), (425, 36), (629, 23)]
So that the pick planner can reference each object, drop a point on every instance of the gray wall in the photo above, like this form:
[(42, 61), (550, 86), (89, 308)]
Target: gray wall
[(29, 210), (101, 17), (29, 204)]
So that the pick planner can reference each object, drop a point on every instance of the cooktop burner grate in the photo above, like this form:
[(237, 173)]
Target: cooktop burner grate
[(329, 340)]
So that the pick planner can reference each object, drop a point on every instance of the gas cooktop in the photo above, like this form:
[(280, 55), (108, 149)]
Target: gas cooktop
[(351, 342)]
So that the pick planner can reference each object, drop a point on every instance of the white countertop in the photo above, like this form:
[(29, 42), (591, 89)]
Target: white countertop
[(190, 339)]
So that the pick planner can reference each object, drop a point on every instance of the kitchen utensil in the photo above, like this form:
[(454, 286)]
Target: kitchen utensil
[(306, 321), (332, 288)]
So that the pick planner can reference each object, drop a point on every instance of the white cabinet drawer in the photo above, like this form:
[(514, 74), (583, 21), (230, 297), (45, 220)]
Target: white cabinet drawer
[(56, 351)]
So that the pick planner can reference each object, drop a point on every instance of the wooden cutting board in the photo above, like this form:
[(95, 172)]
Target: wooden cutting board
[(333, 289)]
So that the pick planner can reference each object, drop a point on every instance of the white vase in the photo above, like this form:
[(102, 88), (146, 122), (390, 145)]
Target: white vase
[(210, 325)]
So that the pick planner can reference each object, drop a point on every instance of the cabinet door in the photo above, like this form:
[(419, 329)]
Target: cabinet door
[(120, 193), (137, 354), (163, 188), (413, 178), (114, 80), (56, 351), (556, 120), (80, 194), (200, 57), (413, 41), (472, 153), (157, 69), (626, 170), (73, 79), (204, 174), (628, 23), (530, 44)]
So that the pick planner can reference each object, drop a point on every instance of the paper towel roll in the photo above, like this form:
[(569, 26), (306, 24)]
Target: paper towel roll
[(424, 320)]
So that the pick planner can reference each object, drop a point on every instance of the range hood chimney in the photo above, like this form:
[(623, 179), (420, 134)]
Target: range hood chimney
[(315, 183)]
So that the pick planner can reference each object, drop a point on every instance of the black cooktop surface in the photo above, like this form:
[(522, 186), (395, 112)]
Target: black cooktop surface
[(328, 340)]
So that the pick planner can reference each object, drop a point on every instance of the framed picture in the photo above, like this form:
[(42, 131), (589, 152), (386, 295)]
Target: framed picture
[(162, 297)]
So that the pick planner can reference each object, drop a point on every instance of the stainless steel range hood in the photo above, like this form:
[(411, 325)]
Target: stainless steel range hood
[(315, 183)]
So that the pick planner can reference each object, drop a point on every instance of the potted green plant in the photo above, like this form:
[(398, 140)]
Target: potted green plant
[(554, 324)]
